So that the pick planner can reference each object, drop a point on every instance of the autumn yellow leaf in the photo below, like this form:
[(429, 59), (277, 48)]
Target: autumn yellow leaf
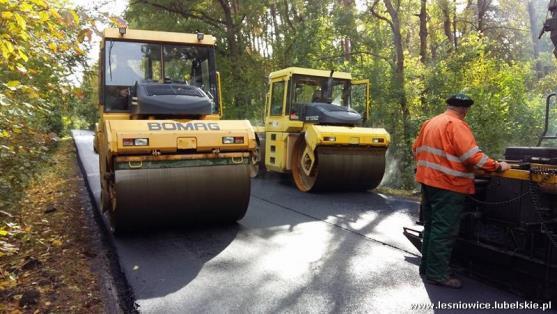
[(13, 84), (20, 21), (64, 47), (55, 14), (25, 7), (79, 51), (4, 50), (43, 16), (3, 232), (24, 36), (40, 3), (7, 15), (56, 243), (75, 17), (9, 46), (53, 47), (22, 55), (32, 93)]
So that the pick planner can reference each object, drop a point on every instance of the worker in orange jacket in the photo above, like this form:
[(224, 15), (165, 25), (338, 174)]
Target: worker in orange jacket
[(446, 154)]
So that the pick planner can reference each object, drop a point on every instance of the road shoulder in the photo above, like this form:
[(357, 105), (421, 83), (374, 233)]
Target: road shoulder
[(53, 257)]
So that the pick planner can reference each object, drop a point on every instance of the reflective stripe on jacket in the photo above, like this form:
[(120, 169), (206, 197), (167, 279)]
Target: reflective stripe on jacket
[(446, 154)]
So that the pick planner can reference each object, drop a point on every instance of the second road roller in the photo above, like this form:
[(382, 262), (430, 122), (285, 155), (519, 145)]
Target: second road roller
[(313, 129), (164, 155)]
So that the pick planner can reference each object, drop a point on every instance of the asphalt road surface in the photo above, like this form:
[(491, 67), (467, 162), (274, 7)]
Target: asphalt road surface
[(293, 252)]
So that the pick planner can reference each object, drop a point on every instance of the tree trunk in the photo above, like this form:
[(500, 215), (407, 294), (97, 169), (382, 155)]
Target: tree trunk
[(347, 41), (455, 37), (423, 31), (230, 10), (483, 7), (399, 83), (447, 24), (534, 29)]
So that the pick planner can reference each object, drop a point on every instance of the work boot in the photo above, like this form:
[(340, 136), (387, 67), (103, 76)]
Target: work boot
[(450, 282)]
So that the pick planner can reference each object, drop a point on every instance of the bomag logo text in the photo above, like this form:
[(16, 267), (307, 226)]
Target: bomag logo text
[(177, 126)]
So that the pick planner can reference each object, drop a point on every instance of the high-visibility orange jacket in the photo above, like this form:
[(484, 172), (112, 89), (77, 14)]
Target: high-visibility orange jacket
[(446, 154)]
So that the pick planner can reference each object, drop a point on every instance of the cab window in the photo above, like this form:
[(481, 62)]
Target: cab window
[(127, 63), (277, 95), (313, 89)]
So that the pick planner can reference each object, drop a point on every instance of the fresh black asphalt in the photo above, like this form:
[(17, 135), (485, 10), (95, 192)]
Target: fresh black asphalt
[(293, 252)]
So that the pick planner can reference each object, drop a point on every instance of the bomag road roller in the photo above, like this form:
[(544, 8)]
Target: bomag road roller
[(313, 129), (164, 155)]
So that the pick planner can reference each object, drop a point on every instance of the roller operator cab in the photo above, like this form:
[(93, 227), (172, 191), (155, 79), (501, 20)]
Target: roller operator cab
[(313, 129), (165, 157)]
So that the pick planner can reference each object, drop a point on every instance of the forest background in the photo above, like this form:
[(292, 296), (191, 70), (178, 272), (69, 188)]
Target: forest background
[(415, 53)]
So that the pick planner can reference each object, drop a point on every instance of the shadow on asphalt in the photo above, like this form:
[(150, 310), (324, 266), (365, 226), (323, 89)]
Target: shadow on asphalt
[(175, 256), (353, 211), (335, 282)]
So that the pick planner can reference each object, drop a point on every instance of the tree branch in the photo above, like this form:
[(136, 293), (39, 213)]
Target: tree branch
[(286, 15), (198, 15), (354, 53), (377, 15)]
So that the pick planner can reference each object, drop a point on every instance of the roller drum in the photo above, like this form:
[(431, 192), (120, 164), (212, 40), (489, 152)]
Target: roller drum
[(339, 168), (349, 168), (180, 196)]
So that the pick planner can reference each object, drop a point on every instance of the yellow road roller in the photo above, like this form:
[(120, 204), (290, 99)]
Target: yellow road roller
[(164, 155), (313, 130)]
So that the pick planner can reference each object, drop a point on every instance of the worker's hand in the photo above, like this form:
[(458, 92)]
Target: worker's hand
[(503, 166)]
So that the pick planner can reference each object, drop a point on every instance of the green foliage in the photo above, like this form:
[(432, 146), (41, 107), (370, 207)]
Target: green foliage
[(40, 43), (490, 59), (504, 113)]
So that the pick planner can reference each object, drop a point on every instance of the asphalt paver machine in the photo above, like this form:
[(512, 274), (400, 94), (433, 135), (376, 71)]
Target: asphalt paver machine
[(508, 231)]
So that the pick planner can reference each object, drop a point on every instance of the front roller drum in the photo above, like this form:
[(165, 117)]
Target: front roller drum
[(341, 168), (179, 196)]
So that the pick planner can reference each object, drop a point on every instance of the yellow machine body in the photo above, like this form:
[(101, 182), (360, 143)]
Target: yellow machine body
[(173, 136), (547, 182), (352, 154), (168, 168)]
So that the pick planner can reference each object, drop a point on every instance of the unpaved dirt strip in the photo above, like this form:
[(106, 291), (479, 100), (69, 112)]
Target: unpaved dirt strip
[(59, 263)]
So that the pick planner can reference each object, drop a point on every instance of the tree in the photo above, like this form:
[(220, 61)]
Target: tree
[(415, 53), (40, 44), (398, 76)]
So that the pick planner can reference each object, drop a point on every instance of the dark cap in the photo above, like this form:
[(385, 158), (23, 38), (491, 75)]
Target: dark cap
[(460, 100)]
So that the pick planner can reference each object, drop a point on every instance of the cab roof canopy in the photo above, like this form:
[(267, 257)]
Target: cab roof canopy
[(155, 36), (310, 72)]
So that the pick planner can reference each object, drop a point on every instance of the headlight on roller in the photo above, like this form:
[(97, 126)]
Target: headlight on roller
[(329, 139), (233, 140), (135, 142), (378, 140), (141, 142)]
